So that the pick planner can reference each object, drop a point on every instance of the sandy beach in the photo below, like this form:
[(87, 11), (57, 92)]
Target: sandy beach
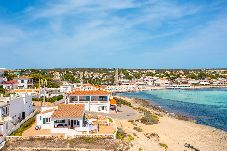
[(177, 135)]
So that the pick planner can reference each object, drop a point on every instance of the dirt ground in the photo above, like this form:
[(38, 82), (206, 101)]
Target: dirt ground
[(54, 143), (32, 132)]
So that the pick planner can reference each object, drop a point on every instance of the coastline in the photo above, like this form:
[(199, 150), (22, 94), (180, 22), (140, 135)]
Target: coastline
[(150, 106), (148, 88), (177, 130)]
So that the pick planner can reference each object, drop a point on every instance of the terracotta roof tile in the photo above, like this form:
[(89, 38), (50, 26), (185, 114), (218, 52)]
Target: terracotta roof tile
[(25, 77), (47, 111), (69, 111), (10, 82)]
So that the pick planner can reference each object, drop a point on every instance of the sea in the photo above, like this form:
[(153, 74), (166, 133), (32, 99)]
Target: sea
[(206, 106)]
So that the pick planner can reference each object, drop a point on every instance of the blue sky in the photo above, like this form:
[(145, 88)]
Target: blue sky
[(113, 33)]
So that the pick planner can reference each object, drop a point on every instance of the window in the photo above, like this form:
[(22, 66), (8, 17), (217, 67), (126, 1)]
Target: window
[(46, 120), (76, 122), (102, 98), (60, 121), (102, 108), (22, 81)]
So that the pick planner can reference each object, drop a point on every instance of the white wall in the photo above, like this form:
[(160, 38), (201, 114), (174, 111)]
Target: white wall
[(5, 127), (39, 120), (20, 104)]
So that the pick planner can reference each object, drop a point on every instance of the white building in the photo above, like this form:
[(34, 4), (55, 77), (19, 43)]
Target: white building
[(13, 109), (93, 100), (24, 82), (10, 85), (66, 88), (2, 71), (68, 119), (5, 122)]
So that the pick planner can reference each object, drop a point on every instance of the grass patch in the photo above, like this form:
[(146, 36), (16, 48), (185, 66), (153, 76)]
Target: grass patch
[(130, 137), (163, 145), (138, 129), (24, 127)]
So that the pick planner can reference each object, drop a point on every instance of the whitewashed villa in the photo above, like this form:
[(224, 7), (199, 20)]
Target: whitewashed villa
[(67, 119)]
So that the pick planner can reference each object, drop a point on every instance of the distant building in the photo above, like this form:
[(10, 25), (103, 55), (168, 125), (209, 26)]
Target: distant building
[(24, 82), (2, 71), (10, 85)]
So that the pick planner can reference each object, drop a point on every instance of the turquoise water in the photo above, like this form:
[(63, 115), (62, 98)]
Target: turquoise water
[(206, 106)]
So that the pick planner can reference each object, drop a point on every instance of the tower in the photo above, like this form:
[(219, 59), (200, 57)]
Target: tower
[(116, 77)]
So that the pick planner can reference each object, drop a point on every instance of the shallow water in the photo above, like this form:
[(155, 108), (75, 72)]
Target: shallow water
[(206, 106)]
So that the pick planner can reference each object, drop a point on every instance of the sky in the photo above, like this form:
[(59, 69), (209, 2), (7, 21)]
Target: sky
[(113, 33)]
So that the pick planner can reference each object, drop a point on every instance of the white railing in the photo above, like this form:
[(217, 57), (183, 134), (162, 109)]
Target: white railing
[(59, 130), (87, 128)]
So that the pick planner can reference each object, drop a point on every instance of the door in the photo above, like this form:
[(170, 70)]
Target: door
[(71, 124), (23, 115)]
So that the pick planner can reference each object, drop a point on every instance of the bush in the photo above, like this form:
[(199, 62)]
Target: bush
[(138, 129), (122, 102), (130, 137), (52, 100), (121, 134), (110, 120), (149, 118), (163, 145)]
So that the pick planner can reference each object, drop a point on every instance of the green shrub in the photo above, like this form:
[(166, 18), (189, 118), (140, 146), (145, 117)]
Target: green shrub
[(131, 121), (163, 145), (130, 137), (138, 129), (110, 120), (52, 100), (149, 118), (122, 102), (121, 134)]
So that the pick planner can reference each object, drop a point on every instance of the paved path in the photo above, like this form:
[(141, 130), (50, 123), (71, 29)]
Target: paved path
[(125, 113)]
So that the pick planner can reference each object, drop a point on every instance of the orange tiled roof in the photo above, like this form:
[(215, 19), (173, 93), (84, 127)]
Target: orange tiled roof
[(69, 111), (113, 102), (25, 77), (10, 82), (26, 90), (47, 111), (89, 92)]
